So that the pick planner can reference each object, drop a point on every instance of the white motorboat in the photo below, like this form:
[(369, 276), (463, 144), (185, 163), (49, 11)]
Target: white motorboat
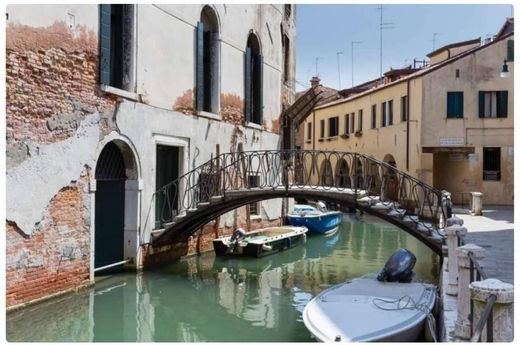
[(365, 309)]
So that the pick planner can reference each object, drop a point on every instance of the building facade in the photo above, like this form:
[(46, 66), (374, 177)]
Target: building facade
[(108, 103), (450, 124)]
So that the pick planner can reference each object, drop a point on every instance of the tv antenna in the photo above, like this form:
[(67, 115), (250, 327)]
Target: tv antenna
[(339, 71), (316, 63), (435, 34), (382, 26)]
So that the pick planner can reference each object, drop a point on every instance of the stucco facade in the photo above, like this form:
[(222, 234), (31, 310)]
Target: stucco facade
[(60, 118), (439, 149)]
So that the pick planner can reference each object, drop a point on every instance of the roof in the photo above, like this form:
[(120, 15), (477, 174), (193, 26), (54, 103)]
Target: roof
[(454, 45), (305, 103), (509, 26), (401, 71), (328, 94), (421, 72)]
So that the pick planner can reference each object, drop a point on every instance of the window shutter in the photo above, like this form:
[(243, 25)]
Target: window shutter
[(391, 112), (259, 89), (247, 85), (511, 50), (104, 44), (199, 87), (481, 103), (502, 103), (383, 114), (460, 105)]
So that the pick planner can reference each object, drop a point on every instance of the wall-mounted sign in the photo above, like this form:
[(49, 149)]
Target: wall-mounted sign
[(451, 141), (510, 151)]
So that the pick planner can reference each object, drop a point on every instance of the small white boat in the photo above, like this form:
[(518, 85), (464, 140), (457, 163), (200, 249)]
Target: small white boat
[(365, 309)]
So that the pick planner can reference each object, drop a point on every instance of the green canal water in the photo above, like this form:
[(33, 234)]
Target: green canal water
[(208, 298)]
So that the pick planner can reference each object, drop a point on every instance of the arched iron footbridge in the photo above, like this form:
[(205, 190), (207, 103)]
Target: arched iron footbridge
[(352, 179)]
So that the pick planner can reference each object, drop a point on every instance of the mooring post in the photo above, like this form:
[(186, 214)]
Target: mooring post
[(463, 324), (453, 232), (476, 203), (502, 313)]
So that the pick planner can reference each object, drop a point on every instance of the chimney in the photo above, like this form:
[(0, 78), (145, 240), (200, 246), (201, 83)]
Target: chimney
[(315, 81)]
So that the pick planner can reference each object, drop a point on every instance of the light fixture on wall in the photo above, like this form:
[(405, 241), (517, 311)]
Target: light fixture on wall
[(505, 70)]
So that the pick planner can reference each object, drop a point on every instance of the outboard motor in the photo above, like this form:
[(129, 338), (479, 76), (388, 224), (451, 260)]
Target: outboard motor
[(237, 235), (398, 267), (321, 206)]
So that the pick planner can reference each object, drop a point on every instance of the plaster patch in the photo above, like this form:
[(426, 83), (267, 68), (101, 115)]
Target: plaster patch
[(33, 183)]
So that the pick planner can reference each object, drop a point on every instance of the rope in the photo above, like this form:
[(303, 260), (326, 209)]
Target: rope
[(406, 302)]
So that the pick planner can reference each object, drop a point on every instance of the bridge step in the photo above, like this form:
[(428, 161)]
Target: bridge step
[(425, 226), (215, 199), (368, 200), (203, 204), (397, 212), (410, 219), (383, 206)]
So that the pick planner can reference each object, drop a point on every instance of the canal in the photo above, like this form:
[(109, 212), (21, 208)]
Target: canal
[(208, 298)]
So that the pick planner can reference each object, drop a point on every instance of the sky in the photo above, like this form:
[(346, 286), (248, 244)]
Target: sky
[(324, 30)]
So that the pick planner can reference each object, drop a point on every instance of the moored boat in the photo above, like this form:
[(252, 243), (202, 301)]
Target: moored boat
[(316, 219), (260, 242), (389, 308)]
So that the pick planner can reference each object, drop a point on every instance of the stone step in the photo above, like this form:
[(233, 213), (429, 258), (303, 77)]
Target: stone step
[(383, 206), (368, 200), (203, 204), (156, 233), (410, 219), (397, 212), (215, 199)]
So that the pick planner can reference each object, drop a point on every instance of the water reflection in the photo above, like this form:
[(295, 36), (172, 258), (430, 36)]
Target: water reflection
[(209, 298)]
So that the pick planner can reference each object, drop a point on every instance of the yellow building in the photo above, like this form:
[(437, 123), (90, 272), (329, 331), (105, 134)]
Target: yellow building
[(450, 124)]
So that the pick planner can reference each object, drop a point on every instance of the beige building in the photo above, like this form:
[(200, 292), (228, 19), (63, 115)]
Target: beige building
[(450, 124)]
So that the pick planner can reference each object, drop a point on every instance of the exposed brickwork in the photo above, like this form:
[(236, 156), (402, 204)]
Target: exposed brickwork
[(56, 257), (50, 72), (185, 103), (232, 109)]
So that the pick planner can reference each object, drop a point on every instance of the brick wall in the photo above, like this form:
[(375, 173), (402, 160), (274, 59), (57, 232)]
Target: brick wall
[(56, 257)]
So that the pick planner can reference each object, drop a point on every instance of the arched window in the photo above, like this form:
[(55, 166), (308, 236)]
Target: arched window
[(207, 92), (253, 79)]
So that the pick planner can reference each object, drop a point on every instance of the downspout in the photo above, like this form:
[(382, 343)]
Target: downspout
[(408, 125)]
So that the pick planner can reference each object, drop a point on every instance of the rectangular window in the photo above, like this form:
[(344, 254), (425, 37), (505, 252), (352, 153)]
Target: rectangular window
[(167, 168), (116, 41), (492, 104), (309, 131), (404, 108), (322, 128), (390, 113), (253, 181), (383, 114), (455, 103), (286, 57), (491, 166), (360, 120), (333, 126), (510, 50), (374, 115), (352, 122), (347, 123)]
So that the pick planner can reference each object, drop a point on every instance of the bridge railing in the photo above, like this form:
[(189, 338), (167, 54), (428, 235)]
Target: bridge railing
[(367, 179)]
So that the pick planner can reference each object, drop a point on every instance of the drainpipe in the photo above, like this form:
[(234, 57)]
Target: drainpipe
[(313, 136), (408, 125)]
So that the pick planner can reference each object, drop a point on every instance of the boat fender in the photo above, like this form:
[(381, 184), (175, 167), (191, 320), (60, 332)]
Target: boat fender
[(399, 267), (266, 247)]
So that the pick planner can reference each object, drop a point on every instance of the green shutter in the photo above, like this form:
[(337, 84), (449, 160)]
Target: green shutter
[(450, 106), (247, 85), (502, 104), (455, 105), (259, 89), (460, 105), (199, 88), (481, 103), (104, 44), (511, 50)]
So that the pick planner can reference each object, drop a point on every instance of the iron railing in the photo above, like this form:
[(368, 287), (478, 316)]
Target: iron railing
[(367, 179), (476, 273)]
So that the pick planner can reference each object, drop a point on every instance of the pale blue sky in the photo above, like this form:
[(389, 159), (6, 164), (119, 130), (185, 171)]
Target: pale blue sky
[(323, 30)]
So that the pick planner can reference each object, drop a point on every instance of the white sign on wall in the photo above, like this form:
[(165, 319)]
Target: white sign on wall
[(451, 141)]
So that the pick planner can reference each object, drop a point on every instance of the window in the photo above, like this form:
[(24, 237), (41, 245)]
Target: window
[(492, 104), (167, 168), (347, 124), (207, 61), (309, 131), (360, 120), (387, 113), (286, 57), (253, 181), (455, 103), (374, 115), (383, 114), (390, 112), (116, 46), (322, 128), (333, 126), (491, 166), (352, 122), (510, 50), (404, 108), (253, 78)]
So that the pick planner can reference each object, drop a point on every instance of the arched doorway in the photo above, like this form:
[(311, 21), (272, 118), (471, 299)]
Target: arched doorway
[(390, 185), (342, 174), (326, 176), (116, 205)]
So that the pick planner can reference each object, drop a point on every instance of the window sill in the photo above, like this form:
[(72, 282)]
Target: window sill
[(345, 136), (332, 138), (454, 118), (119, 92), (253, 125), (256, 217), (358, 133), (321, 139), (208, 115), (308, 141)]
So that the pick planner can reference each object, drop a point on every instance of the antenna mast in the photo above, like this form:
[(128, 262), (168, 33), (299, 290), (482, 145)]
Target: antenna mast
[(382, 26)]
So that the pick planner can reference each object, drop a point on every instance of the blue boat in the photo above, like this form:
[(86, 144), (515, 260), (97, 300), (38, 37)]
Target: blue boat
[(317, 219)]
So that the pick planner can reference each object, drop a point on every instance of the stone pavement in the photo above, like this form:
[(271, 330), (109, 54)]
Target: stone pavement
[(494, 232)]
